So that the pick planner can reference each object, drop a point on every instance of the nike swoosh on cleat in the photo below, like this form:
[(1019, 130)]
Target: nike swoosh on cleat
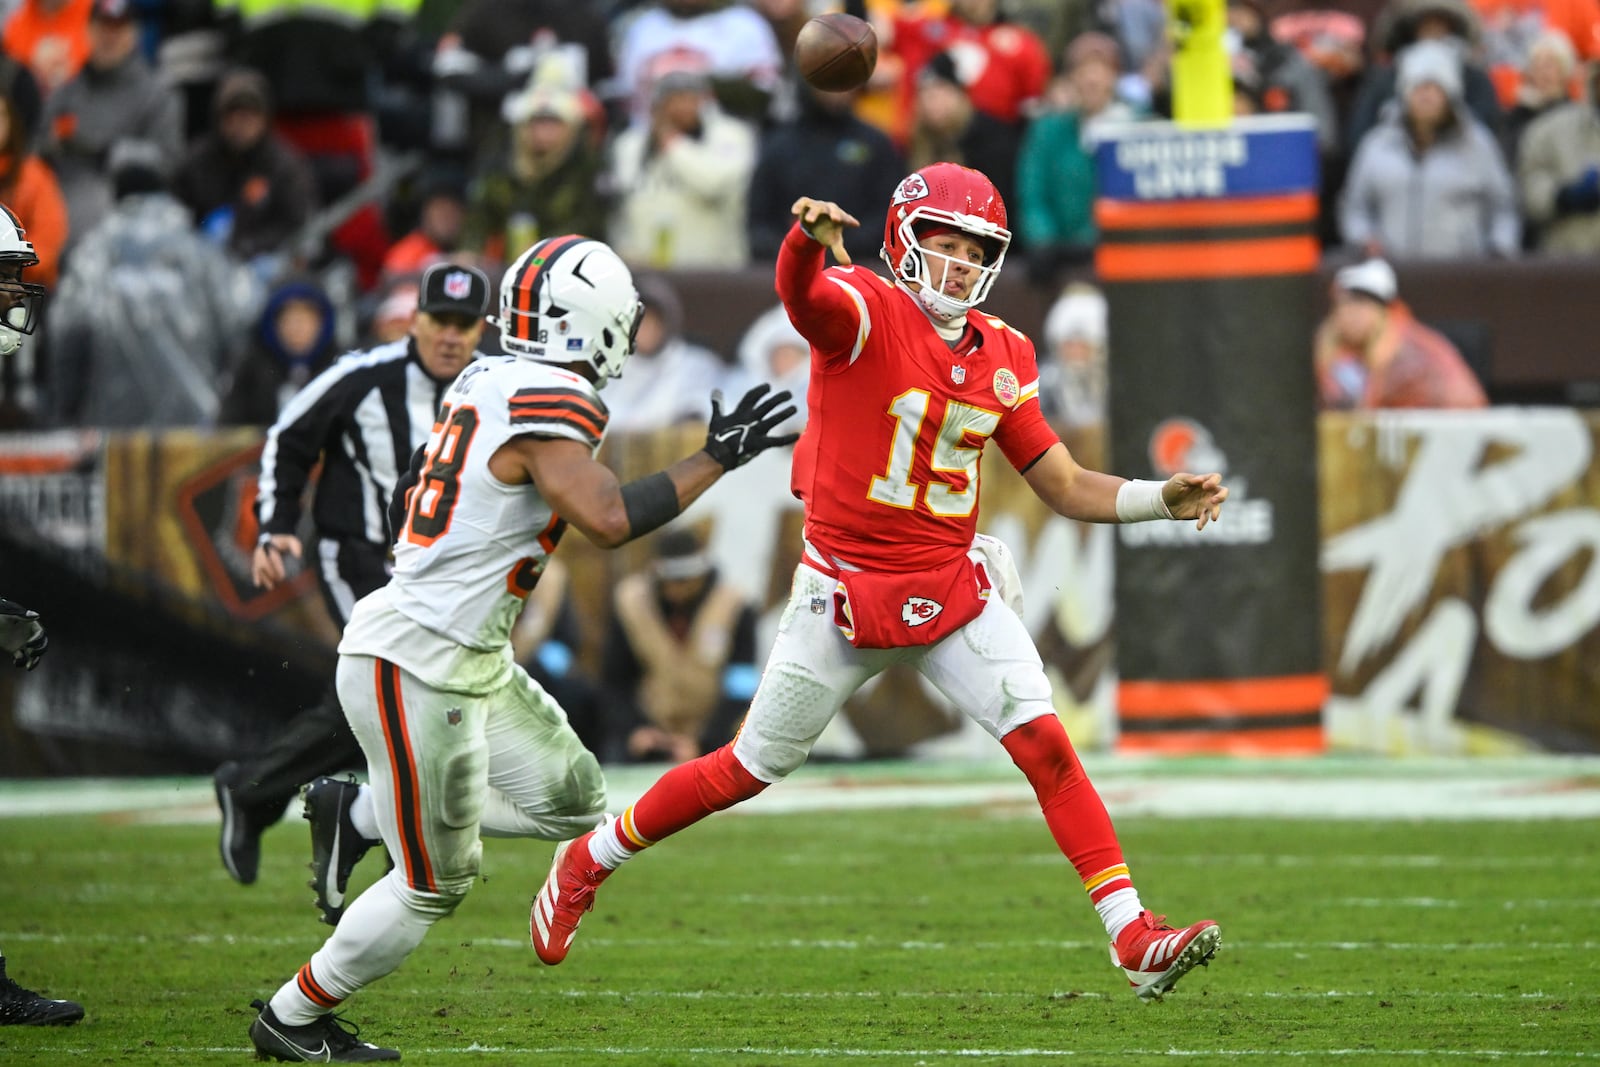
[(320, 1054), (331, 890)]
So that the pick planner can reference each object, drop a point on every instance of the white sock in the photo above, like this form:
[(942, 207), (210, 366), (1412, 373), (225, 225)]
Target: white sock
[(364, 815), (605, 847), (1117, 910)]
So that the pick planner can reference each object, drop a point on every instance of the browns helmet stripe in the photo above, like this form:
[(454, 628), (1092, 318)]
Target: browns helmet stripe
[(541, 256)]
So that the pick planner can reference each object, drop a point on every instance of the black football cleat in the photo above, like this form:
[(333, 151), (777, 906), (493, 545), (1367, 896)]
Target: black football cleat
[(328, 1040), (336, 845), (240, 841), (24, 1007)]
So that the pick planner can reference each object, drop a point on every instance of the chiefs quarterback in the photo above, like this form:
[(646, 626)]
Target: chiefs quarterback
[(909, 382)]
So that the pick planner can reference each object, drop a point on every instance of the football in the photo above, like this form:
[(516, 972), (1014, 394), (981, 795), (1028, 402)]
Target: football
[(836, 52)]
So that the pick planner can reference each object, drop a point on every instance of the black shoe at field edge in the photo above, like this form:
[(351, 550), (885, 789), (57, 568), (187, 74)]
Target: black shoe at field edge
[(240, 840), (24, 1007), (328, 1040), (336, 845)]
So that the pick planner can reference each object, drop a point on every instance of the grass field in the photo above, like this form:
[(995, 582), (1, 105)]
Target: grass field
[(899, 936)]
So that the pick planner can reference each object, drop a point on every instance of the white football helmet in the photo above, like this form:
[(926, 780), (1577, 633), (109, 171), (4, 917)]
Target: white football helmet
[(19, 300), (570, 299)]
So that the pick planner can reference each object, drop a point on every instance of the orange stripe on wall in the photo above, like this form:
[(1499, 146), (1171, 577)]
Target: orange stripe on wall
[(1244, 211), (1294, 740), (1223, 696), (1206, 259)]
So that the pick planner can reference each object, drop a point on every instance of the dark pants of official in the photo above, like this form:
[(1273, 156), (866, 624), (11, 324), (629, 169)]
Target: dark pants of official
[(318, 741)]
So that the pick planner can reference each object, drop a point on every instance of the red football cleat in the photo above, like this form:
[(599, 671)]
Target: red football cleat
[(1154, 956), (565, 896)]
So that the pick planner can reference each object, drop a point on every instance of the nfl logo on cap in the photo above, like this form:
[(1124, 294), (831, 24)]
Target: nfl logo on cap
[(457, 284)]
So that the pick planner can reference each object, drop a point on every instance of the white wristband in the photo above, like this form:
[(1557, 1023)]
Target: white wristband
[(1141, 501)]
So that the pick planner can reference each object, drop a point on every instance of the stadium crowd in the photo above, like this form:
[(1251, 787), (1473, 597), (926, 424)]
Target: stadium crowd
[(225, 195)]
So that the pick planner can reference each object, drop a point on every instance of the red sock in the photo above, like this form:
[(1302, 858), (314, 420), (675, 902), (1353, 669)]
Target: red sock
[(685, 795), (1072, 808)]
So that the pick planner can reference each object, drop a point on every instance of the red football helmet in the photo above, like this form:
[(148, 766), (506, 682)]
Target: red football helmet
[(949, 196)]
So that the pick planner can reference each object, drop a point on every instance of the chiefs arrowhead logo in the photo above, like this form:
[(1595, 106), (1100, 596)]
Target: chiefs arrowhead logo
[(918, 610), (914, 187)]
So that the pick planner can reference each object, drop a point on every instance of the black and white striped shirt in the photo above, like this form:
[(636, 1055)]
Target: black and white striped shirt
[(363, 417)]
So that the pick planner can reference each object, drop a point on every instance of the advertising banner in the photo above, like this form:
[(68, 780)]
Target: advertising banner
[(1206, 259)]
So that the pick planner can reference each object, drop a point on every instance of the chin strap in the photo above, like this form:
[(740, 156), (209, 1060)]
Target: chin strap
[(944, 315)]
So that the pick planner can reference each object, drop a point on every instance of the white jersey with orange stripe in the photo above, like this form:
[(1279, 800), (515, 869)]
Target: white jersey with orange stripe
[(472, 547)]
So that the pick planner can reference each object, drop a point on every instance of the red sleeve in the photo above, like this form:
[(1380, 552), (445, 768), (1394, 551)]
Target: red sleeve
[(1023, 434), (824, 313)]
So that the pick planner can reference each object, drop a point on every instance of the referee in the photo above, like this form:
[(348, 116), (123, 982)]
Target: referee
[(362, 418)]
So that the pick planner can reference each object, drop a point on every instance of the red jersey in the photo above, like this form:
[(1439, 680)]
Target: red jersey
[(888, 464), (1003, 65)]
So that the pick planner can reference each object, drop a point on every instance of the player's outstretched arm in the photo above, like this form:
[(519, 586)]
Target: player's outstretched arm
[(587, 494), (1090, 496)]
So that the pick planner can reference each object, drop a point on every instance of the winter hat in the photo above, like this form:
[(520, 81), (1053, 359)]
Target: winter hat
[(1078, 315), (1430, 61), (1373, 278)]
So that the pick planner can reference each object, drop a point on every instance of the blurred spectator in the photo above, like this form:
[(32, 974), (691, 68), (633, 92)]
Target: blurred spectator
[(545, 640), (1401, 24), (18, 85), (947, 127), (880, 103), (323, 61), (29, 188), (491, 49), (189, 56), (787, 18), (1511, 28), (115, 96), (679, 662), (773, 351), (1072, 369), (148, 311), (293, 343), (1057, 23), (50, 38), (248, 188), (547, 183), (682, 180), (669, 380), (1002, 66), (1288, 81), (825, 147), (1545, 85), (1371, 352), (1053, 215), (1333, 41), (1249, 91), (1559, 175), (391, 319), (441, 220), (731, 43), (1429, 180)]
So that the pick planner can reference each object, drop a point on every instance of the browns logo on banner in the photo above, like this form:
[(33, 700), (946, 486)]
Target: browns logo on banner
[(1206, 253)]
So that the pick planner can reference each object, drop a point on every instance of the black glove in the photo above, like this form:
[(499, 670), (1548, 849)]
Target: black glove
[(21, 634), (738, 436)]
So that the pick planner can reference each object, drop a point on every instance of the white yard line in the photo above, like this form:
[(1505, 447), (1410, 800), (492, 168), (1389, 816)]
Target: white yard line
[(657, 1051)]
